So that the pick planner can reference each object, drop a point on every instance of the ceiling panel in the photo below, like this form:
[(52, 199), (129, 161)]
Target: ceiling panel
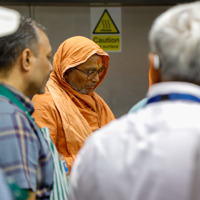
[(93, 2)]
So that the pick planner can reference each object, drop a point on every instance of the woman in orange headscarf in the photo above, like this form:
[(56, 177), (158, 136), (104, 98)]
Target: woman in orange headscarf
[(70, 107)]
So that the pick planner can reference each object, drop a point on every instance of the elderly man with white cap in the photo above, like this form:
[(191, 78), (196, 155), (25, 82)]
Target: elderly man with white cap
[(28, 157), (9, 22), (153, 154), (25, 66)]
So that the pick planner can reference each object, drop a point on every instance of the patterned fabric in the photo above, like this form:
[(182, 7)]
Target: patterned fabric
[(5, 192), (25, 155), (60, 187)]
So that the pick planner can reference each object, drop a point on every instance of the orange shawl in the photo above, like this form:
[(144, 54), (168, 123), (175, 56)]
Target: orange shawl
[(71, 116)]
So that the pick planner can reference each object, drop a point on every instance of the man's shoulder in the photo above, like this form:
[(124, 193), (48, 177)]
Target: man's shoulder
[(123, 127), (120, 124), (7, 106), (110, 148), (124, 132), (12, 117)]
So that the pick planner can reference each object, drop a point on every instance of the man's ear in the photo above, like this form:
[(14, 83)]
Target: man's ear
[(154, 69), (154, 61), (26, 57)]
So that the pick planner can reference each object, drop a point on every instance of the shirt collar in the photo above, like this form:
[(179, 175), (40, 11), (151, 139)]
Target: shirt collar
[(21, 97), (174, 87)]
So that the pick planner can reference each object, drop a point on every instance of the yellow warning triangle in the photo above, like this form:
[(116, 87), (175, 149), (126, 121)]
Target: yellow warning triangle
[(105, 25)]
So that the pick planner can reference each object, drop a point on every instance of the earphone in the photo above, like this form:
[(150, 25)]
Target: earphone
[(154, 60)]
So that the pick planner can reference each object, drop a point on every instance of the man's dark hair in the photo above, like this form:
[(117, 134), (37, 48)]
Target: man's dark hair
[(12, 46)]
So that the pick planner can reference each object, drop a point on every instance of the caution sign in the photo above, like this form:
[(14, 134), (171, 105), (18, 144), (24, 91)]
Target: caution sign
[(106, 28), (108, 43), (106, 25)]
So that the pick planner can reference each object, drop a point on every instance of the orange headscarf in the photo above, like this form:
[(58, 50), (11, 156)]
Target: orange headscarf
[(80, 114)]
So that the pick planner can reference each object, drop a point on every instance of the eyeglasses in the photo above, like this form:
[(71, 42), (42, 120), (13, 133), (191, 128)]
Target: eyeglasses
[(92, 73)]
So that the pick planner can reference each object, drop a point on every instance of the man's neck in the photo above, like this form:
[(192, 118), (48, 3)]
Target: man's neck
[(17, 83)]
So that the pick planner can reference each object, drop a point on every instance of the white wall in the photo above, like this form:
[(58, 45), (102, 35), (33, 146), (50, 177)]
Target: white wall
[(127, 79)]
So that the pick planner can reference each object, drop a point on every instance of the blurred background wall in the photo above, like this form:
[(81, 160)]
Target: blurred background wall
[(127, 80)]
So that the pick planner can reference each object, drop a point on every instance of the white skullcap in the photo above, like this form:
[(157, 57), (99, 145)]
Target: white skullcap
[(9, 21)]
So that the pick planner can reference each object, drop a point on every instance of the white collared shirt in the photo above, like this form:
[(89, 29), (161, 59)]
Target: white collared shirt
[(147, 155)]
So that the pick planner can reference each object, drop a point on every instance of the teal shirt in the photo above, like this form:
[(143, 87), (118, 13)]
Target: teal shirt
[(138, 105)]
